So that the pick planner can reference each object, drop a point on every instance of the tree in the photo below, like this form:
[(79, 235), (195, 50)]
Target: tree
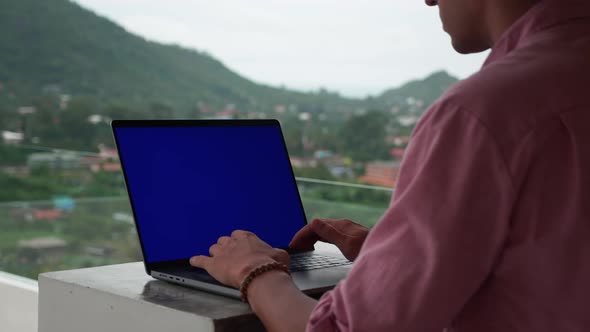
[(363, 137)]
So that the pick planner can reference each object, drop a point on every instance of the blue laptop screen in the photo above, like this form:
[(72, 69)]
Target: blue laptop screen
[(191, 185)]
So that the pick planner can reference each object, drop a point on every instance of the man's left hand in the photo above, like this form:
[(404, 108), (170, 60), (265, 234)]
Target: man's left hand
[(232, 258)]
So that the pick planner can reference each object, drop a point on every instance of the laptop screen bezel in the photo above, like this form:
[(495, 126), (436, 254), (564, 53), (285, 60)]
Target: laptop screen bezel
[(189, 123)]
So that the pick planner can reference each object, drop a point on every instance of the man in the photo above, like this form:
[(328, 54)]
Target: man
[(489, 228)]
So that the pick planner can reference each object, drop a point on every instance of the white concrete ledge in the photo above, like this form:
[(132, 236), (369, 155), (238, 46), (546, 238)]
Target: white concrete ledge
[(124, 298), (18, 303)]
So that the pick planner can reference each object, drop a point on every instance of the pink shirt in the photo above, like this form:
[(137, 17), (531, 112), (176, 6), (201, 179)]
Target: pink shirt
[(489, 228)]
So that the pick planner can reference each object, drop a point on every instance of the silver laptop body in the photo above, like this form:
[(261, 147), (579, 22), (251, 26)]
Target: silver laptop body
[(314, 272)]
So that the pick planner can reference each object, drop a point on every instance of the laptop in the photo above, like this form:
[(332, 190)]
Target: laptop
[(193, 181)]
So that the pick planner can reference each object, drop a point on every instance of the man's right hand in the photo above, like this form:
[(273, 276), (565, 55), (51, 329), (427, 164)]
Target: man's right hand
[(347, 235)]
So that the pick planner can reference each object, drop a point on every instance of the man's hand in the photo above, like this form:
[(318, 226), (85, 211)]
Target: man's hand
[(232, 258), (347, 235)]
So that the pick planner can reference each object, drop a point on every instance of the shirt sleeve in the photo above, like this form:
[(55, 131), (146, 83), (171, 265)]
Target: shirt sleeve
[(439, 239)]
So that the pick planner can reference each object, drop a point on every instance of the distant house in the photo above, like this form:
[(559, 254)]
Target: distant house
[(91, 162), (407, 120), (111, 167), (55, 160), (341, 172), (16, 171), (64, 101), (300, 162), (229, 112), (96, 119), (106, 152), (397, 140), (107, 160), (280, 108), (105, 167), (49, 215), (337, 165), (100, 251), (22, 212), (43, 248), (25, 110), (225, 114), (381, 173), (30, 214), (322, 154), (10, 137), (397, 153), (64, 203), (123, 217)]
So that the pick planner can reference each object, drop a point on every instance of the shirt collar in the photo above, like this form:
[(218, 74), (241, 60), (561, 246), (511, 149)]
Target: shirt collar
[(542, 16)]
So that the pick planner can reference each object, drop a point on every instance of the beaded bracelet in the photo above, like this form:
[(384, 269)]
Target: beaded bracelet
[(258, 271)]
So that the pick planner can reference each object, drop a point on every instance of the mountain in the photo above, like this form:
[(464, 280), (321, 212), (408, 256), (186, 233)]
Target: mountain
[(57, 46), (427, 89)]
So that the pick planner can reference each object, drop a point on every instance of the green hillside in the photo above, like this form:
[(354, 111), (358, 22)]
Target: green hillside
[(427, 89), (57, 45)]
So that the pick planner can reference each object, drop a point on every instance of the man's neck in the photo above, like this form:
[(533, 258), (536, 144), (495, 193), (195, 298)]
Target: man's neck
[(503, 14)]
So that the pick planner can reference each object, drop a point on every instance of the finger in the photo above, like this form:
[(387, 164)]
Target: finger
[(224, 240), (281, 256), (200, 261), (214, 250), (317, 230), (327, 230), (304, 239), (240, 234)]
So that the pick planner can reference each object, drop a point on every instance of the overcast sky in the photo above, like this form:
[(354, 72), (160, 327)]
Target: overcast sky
[(353, 47)]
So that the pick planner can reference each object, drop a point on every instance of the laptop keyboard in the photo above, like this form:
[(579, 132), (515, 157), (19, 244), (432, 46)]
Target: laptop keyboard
[(298, 263), (312, 262)]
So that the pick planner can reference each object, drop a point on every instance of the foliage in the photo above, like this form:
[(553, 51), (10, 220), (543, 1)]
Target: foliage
[(319, 172), (44, 184), (363, 137), (360, 196), (427, 89), (11, 155), (57, 46)]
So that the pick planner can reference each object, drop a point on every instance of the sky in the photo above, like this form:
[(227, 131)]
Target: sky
[(356, 48)]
